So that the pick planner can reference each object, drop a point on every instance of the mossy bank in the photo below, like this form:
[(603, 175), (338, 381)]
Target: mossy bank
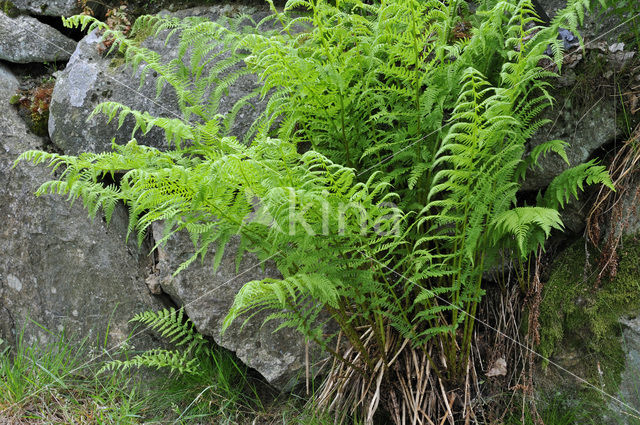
[(581, 326)]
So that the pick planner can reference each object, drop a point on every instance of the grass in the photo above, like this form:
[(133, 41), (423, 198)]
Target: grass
[(54, 385), (47, 385)]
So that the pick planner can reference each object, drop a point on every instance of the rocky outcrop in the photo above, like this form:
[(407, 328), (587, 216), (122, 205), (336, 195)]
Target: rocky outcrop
[(207, 296), (604, 27), (58, 268), (90, 78), (24, 39)]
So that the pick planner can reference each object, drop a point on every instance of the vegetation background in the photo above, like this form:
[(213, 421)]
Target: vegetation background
[(396, 135)]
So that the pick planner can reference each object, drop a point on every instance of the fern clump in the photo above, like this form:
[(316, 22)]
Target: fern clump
[(381, 178)]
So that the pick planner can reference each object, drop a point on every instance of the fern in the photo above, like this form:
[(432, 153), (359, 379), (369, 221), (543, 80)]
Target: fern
[(172, 325), (382, 177), (567, 184), (175, 361)]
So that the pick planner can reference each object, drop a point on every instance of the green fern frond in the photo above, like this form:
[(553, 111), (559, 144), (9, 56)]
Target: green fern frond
[(569, 182), (523, 223), (172, 324), (175, 361)]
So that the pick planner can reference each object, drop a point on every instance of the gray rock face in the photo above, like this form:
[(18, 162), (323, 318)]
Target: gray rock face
[(207, 297), (584, 129), (57, 267), (629, 391), (595, 24), (24, 39), (629, 220), (585, 124), (49, 7), (90, 79)]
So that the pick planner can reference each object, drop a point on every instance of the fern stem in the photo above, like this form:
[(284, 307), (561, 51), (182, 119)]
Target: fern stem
[(344, 134), (340, 316)]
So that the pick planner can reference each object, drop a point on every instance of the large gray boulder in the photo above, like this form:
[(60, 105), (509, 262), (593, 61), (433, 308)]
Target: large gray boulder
[(24, 39), (90, 78), (207, 296), (58, 268), (49, 7)]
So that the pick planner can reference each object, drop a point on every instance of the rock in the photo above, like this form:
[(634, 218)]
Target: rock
[(49, 7), (90, 79), (628, 221), (584, 114), (574, 214), (207, 297), (24, 39), (584, 128), (592, 330), (8, 85), (58, 268), (605, 27), (629, 391)]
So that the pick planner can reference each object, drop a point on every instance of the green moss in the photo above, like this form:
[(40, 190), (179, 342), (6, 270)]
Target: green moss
[(9, 8), (575, 315), (39, 124)]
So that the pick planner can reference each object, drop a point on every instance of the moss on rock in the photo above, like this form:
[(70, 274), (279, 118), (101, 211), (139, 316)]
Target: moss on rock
[(580, 322), (9, 8)]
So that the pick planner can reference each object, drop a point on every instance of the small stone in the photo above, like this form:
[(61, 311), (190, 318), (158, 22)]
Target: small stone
[(616, 47), (14, 283)]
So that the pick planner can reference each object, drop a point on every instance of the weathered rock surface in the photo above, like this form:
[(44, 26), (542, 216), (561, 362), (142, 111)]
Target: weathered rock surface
[(24, 39), (58, 268), (629, 391), (584, 114), (585, 129), (207, 296), (49, 7), (90, 79), (596, 24)]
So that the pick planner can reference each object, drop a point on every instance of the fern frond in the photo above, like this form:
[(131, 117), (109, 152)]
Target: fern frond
[(567, 184), (172, 324)]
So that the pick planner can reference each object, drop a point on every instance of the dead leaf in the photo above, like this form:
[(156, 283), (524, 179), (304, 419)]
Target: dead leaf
[(498, 368)]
